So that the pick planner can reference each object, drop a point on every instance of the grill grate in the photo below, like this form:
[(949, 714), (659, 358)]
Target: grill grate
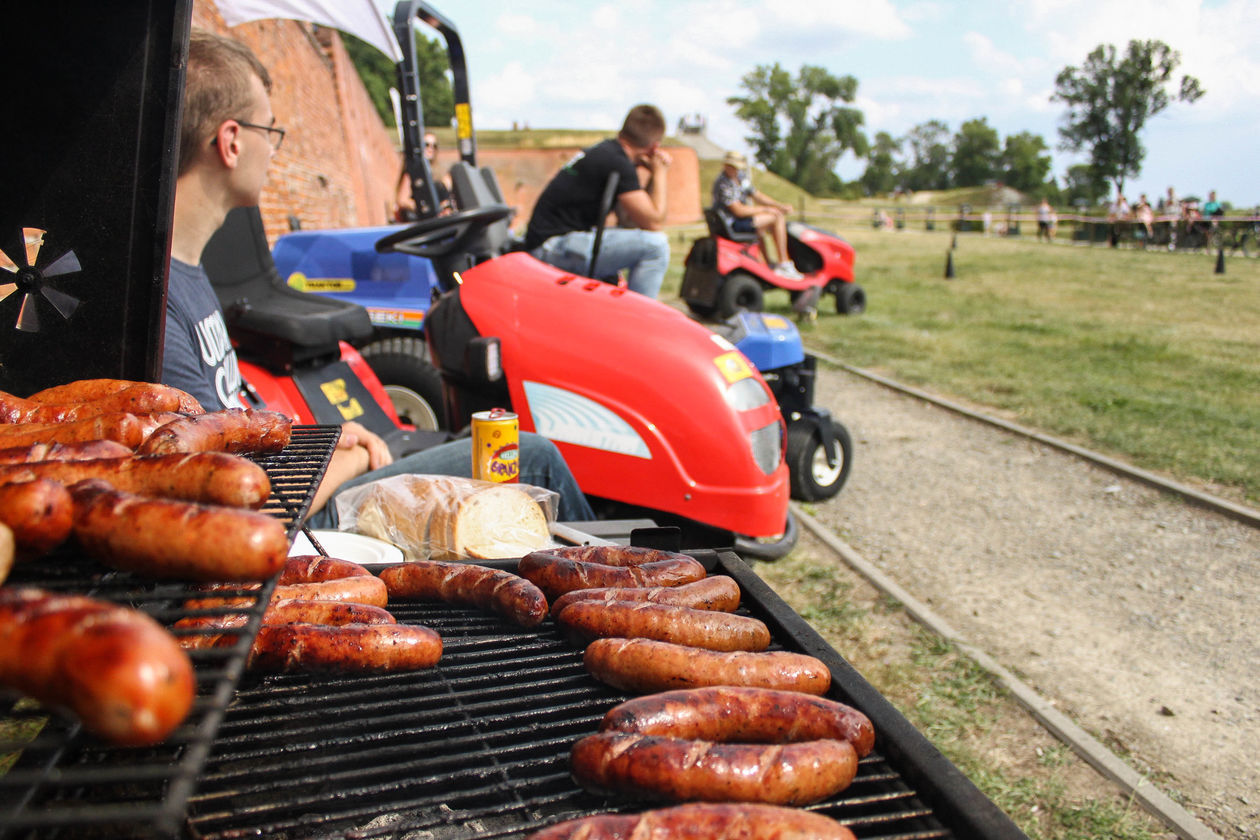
[(66, 780), (478, 747)]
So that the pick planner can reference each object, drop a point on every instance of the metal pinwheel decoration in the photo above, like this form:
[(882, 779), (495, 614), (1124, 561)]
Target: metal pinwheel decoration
[(32, 281)]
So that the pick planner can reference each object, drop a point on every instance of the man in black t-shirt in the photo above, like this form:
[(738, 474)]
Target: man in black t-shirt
[(561, 229)]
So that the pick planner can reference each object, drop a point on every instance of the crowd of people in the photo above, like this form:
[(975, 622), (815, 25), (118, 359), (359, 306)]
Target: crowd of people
[(1185, 215)]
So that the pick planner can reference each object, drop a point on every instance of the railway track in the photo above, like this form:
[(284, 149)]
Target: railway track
[(972, 640)]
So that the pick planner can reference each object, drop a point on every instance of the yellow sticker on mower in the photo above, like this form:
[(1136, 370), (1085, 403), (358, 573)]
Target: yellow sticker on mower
[(733, 366)]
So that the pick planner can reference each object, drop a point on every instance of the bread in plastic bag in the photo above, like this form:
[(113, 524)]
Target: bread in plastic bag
[(448, 518)]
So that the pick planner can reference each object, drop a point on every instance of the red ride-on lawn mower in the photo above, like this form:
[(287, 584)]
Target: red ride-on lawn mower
[(726, 271)]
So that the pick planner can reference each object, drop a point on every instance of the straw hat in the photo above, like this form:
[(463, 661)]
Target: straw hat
[(736, 160)]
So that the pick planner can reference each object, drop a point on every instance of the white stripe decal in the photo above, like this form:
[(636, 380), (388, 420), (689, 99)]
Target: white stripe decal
[(564, 416)]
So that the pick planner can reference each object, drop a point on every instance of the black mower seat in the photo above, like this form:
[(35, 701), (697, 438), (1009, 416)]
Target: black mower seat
[(258, 305), (720, 226), (475, 188)]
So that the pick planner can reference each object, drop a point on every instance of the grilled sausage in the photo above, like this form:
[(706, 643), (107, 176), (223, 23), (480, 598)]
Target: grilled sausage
[(140, 398), (556, 571), (39, 512), (351, 647), (356, 590), (316, 568), (643, 666), (211, 477), (92, 390), (718, 592), (726, 713), (707, 820), (458, 583), (170, 539), (665, 623), (86, 451), (231, 430), (288, 611), (120, 427), (119, 670), (678, 769)]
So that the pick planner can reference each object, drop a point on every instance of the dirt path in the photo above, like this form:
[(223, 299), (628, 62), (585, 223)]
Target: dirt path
[(1133, 612)]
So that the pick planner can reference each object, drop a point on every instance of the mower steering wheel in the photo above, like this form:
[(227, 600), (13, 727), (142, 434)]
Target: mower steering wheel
[(443, 235)]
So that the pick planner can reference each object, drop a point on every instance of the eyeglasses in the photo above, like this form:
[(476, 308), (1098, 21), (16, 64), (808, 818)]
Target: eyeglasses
[(271, 130)]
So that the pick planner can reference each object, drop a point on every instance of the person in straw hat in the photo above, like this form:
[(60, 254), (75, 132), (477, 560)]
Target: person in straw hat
[(747, 209)]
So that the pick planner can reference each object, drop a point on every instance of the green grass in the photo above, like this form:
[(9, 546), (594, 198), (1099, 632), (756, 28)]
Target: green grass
[(1148, 356)]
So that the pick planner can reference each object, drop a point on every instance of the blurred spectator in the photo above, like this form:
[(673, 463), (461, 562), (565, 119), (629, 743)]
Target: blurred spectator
[(1047, 221), (1145, 217)]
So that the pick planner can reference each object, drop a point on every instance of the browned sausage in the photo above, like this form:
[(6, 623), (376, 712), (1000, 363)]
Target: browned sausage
[(356, 590), (171, 539), (141, 398), (643, 666), (231, 430), (91, 390), (39, 512), (350, 647), (316, 568), (666, 623), (459, 583), (718, 592), (119, 670), (727, 713), (679, 769), (120, 427), (288, 611), (702, 821), (555, 572), (85, 451), (215, 478)]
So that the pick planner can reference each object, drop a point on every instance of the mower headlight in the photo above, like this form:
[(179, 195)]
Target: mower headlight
[(767, 446), (746, 394)]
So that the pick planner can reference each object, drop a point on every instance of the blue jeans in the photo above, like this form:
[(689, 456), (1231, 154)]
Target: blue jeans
[(644, 252), (542, 465)]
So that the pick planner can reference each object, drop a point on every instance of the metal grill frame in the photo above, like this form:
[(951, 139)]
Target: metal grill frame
[(67, 779), (464, 754)]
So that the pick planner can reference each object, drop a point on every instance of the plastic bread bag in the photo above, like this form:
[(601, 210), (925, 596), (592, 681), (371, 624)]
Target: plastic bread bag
[(448, 518)]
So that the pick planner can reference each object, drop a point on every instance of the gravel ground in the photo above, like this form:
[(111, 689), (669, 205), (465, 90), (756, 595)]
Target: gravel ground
[(1130, 610)]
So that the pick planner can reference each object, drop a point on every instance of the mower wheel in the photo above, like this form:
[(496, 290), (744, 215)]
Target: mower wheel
[(812, 479), (414, 386), (850, 299), (739, 292)]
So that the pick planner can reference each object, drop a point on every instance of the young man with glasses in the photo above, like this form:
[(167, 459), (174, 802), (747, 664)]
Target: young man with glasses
[(227, 139)]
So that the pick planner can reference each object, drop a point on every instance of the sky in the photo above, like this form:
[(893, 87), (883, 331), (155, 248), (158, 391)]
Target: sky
[(564, 64)]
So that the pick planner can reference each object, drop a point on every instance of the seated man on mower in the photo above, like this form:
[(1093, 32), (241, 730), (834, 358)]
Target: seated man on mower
[(561, 230), (747, 209), (227, 140)]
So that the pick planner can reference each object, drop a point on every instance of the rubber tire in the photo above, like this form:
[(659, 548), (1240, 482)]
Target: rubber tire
[(811, 479), (850, 299), (702, 310), (414, 386), (739, 292)]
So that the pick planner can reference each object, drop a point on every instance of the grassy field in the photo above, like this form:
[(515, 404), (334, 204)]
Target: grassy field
[(1145, 355)]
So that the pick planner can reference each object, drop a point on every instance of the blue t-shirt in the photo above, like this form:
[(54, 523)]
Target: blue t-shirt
[(197, 355)]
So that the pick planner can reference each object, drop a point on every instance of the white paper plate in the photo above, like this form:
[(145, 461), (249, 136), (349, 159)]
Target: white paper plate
[(357, 548)]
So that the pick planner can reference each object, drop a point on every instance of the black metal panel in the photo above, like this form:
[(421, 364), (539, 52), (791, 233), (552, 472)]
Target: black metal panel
[(91, 103)]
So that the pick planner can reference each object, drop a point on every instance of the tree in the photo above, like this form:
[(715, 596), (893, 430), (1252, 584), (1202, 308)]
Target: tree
[(801, 127), (1082, 183), (1109, 101), (379, 73), (977, 153), (928, 167), (880, 175), (1024, 164)]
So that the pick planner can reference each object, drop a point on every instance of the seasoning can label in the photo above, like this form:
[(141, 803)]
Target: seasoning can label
[(496, 452)]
